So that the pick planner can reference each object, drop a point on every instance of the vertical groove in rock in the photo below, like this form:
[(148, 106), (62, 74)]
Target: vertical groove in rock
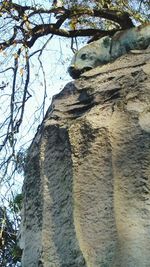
[(87, 183)]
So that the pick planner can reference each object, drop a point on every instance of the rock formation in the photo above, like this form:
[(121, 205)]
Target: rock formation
[(87, 179)]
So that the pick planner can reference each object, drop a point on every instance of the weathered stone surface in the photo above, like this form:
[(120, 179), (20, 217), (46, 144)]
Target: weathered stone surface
[(87, 184)]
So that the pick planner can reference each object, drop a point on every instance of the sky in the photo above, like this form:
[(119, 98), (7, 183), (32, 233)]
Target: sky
[(55, 60)]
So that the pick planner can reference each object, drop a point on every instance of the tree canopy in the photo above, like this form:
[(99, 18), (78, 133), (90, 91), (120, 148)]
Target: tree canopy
[(67, 18), (27, 28)]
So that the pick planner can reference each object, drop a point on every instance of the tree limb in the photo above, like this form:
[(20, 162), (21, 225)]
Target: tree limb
[(30, 35)]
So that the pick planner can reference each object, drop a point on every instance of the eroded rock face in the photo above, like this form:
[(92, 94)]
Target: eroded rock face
[(87, 184)]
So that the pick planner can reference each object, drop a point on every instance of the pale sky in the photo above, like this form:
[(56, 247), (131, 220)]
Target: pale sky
[(55, 59)]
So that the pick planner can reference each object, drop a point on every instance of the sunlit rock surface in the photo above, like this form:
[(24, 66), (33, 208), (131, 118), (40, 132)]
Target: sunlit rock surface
[(87, 184)]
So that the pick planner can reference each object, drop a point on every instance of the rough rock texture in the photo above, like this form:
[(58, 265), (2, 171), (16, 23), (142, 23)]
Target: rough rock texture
[(87, 184)]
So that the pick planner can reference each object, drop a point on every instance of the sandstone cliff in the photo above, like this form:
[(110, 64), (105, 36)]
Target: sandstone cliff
[(87, 184)]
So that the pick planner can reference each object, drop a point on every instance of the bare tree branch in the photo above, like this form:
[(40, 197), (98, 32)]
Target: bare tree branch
[(31, 34)]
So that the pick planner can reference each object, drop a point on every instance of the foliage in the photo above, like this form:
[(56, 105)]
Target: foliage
[(10, 253), (27, 30)]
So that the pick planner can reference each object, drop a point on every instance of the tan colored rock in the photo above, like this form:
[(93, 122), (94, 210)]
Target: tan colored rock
[(87, 184)]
